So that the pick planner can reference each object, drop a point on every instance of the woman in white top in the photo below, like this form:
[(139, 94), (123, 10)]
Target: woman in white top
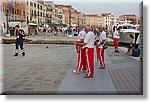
[(116, 36)]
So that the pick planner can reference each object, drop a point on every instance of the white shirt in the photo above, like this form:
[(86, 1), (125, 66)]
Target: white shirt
[(102, 36), (89, 39), (116, 34), (81, 35)]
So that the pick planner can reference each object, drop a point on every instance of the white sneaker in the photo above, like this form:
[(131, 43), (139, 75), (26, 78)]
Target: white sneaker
[(74, 71)]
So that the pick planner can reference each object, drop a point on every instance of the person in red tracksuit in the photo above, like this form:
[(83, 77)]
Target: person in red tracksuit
[(116, 36), (99, 44), (81, 66), (88, 45)]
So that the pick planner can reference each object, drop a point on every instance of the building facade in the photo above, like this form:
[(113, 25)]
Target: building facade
[(0, 19), (94, 20), (36, 11), (60, 14), (17, 9), (130, 17), (51, 12), (108, 20)]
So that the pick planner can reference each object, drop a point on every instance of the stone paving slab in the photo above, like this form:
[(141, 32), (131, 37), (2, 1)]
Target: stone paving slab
[(77, 84), (49, 71), (39, 72), (124, 76)]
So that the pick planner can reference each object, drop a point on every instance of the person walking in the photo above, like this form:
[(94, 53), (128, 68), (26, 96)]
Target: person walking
[(19, 40), (88, 45), (100, 50), (116, 36), (80, 50)]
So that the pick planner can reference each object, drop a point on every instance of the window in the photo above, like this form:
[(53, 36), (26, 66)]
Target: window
[(17, 12), (41, 14), (31, 3), (120, 27), (41, 7), (131, 27), (13, 11), (124, 27), (38, 6), (34, 4), (3, 9), (23, 13), (35, 13), (27, 19), (38, 13), (20, 12), (51, 10)]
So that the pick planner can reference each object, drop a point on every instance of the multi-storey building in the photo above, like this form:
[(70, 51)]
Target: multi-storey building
[(36, 11), (0, 18), (80, 18), (60, 14), (16, 9), (94, 20), (51, 12), (66, 9), (130, 17), (108, 20)]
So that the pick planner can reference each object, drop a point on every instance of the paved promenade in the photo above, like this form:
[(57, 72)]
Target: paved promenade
[(48, 38), (49, 71)]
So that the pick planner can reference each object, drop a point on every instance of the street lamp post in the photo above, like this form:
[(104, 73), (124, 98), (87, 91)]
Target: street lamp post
[(69, 15), (7, 12), (69, 30)]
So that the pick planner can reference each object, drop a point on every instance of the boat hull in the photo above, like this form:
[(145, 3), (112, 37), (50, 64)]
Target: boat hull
[(125, 38)]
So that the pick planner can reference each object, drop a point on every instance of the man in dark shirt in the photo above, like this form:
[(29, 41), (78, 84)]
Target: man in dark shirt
[(19, 40)]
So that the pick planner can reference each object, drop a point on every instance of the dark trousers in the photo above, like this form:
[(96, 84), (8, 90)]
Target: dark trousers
[(19, 42)]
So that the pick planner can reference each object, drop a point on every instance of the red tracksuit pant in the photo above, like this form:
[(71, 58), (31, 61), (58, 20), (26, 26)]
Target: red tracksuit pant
[(100, 52), (97, 53), (81, 60), (116, 44), (90, 60)]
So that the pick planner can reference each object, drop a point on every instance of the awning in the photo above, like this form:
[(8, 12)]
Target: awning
[(32, 24), (60, 25)]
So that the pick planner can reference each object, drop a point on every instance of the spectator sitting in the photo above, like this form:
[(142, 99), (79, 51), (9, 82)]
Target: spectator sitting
[(136, 51), (130, 48)]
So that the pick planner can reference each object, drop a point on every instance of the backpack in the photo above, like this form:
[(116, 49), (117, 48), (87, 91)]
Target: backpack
[(136, 52)]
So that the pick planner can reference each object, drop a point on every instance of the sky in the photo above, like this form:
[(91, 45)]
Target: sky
[(117, 7)]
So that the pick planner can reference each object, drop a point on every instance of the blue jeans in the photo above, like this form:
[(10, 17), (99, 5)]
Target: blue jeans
[(19, 41)]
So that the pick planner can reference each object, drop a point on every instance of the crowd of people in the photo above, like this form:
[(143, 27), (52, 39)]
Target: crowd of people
[(54, 30)]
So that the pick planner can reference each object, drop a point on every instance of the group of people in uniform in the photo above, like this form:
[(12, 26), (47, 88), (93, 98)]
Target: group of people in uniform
[(85, 49)]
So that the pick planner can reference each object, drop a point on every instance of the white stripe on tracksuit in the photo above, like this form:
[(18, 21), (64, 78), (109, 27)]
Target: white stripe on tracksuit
[(88, 62), (79, 63), (101, 56)]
